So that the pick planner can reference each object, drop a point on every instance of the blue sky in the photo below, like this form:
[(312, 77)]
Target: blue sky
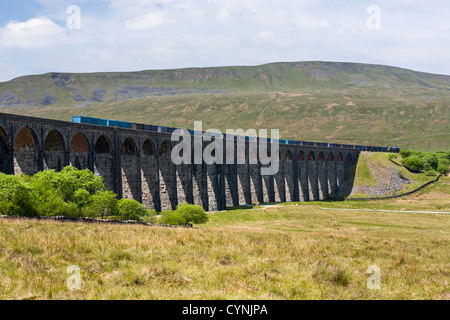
[(131, 35)]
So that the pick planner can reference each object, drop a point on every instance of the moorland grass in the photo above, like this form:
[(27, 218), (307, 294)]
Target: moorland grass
[(296, 251)]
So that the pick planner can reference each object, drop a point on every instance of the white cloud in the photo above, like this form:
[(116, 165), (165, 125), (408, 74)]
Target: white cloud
[(34, 33), (264, 36), (147, 21), (304, 21)]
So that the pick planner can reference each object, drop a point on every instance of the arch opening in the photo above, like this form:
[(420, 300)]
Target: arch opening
[(79, 143), (26, 140), (102, 145), (148, 148), (311, 156), (349, 157), (54, 142), (330, 157), (288, 156), (339, 157), (320, 157), (165, 149), (129, 147), (301, 156)]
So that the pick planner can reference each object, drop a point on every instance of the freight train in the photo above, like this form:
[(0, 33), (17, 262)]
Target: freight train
[(147, 127)]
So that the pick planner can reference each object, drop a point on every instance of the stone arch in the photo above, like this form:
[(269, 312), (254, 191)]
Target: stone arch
[(167, 177), (103, 145), (130, 170), (311, 156), (103, 163), (54, 151), (129, 147), (301, 156), (26, 152), (79, 143), (4, 154), (339, 157), (165, 148), (54, 142), (330, 157), (149, 176), (148, 148), (288, 155), (79, 150), (349, 158), (320, 157)]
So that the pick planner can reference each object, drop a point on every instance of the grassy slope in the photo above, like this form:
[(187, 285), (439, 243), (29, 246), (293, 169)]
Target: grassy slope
[(292, 252), (380, 162), (337, 102)]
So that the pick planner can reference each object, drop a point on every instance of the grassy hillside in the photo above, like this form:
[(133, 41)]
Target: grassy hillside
[(318, 101), (374, 175), (289, 252)]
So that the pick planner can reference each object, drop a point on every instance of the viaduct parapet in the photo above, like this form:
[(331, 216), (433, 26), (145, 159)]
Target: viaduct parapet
[(137, 164)]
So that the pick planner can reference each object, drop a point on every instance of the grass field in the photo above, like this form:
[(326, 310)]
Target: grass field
[(295, 251)]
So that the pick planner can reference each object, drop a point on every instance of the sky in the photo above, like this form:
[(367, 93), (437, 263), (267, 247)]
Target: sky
[(40, 36)]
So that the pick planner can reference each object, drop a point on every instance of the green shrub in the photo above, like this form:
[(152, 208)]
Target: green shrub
[(413, 163), (192, 213), (17, 197), (130, 209), (104, 204), (150, 217), (431, 173), (173, 218), (442, 167), (392, 156)]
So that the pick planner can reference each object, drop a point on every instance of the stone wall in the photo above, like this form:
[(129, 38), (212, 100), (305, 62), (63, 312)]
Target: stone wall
[(137, 165)]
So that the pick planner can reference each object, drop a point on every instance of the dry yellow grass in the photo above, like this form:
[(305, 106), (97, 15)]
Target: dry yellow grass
[(289, 252)]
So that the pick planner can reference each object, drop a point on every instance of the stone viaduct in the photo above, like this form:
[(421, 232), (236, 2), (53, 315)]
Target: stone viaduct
[(137, 164)]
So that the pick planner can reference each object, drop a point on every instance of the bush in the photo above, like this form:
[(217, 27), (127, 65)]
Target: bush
[(17, 197), (392, 156), (173, 218), (192, 213), (104, 204), (413, 163), (431, 173), (442, 167), (130, 209)]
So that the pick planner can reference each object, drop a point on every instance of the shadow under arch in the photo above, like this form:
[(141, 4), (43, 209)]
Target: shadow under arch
[(54, 151), (290, 193), (302, 174), (167, 177), (4, 153), (131, 187), (149, 176), (79, 152), (26, 152), (103, 161)]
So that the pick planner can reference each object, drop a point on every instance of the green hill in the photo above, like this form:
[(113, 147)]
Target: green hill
[(317, 101)]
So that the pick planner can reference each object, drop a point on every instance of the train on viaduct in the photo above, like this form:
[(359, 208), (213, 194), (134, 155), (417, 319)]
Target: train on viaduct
[(136, 164)]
